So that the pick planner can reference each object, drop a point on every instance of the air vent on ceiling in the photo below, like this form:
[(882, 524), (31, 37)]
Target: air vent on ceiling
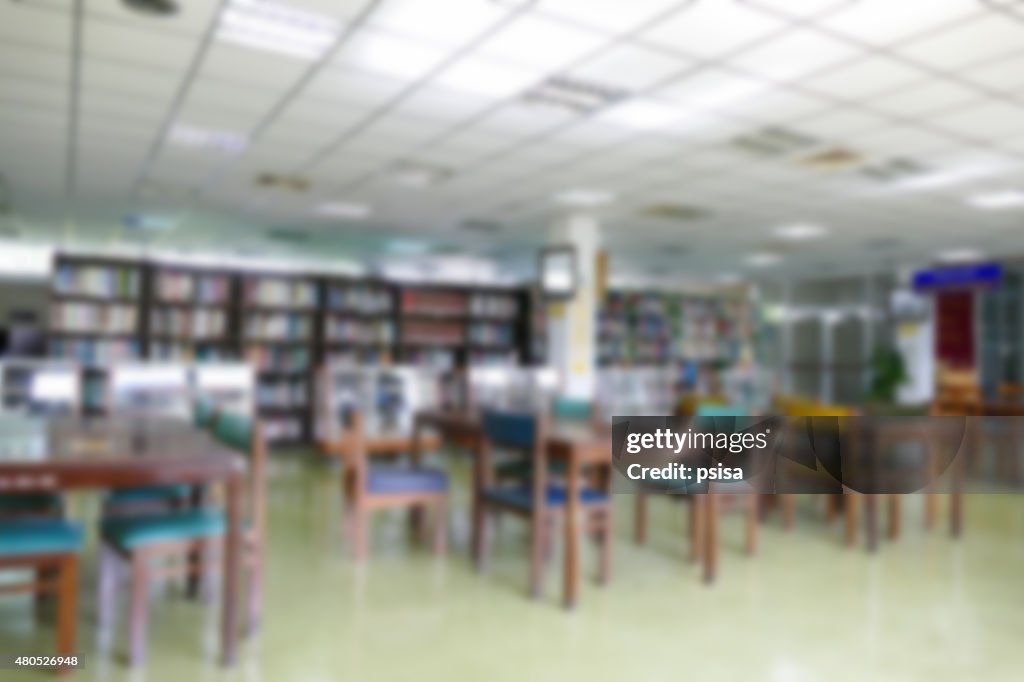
[(832, 159), (288, 235), (774, 141), (480, 225), (578, 96), (291, 183), (896, 169), (675, 212)]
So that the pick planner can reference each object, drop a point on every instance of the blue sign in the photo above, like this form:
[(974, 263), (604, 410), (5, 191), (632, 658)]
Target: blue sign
[(959, 276)]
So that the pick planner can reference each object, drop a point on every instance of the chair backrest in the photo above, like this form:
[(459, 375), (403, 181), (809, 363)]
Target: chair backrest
[(523, 431), (515, 430), (245, 434), (204, 412), (716, 410), (572, 409)]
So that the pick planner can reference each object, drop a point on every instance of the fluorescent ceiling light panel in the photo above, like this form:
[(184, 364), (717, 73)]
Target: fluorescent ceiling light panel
[(277, 27), (224, 141), (763, 259), (344, 209), (383, 53), (585, 197), (642, 114), (996, 201), (25, 260), (960, 256), (801, 231), (486, 78)]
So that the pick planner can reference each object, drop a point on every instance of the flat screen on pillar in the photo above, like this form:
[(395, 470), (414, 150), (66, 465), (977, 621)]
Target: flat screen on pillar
[(558, 272)]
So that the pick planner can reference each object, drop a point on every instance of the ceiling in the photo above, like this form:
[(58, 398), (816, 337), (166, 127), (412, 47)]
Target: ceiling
[(699, 128)]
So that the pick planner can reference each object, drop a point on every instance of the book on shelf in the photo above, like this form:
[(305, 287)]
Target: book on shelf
[(492, 333), (494, 305), (95, 351), (101, 281), (428, 332), (434, 303), (272, 359), (365, 299), (184, 287), (99, 318), (360, 331), (192, 324), (278, 326), (280, 292)]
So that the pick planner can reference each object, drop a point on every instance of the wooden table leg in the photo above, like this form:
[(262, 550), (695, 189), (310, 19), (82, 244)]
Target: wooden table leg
[(895, 519), (871, 504), (851, 517), (572, 535), (640, 518), (67, 606), (232, 571), (710, 537), (607, 532), (697, 527), (196, 558)]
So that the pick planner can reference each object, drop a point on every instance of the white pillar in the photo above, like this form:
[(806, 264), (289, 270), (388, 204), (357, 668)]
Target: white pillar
[(572, 324)]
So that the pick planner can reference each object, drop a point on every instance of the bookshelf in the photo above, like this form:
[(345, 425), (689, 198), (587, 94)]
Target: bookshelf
[(277, 332), (283, 325)]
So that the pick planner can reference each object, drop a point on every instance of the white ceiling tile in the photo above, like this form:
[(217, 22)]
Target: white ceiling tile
[(608, 15), (800, 9), (541, 44), (713, 89), (797, 53), (208, 94), (968, 42), (360, 88), (24, 24), (712, 29), (991, 120), (144, 112), (113, 77), (463, 20), (899, 140), (138, 47), (191, 19), (630, 67), (396, 56), (39, 64), (924, 97), (444, 105), (863, 78), (487, 77), (779, 105), (520, 119), (839, 122), (253, 67), (1003, 74), (884, 21), (28, 91)]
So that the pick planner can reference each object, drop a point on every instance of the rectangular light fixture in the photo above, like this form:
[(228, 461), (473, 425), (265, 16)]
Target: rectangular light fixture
[(277, 27), (583, 197), (25, 260), (574, 95), (642, 114), (800, 231), (344, 209), (223, 141), (996, 201)]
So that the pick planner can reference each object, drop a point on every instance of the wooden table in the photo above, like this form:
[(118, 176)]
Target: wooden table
[(67, 453), (579, 445)]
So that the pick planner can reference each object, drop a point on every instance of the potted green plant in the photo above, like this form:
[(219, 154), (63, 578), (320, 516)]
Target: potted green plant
[(888, 373)]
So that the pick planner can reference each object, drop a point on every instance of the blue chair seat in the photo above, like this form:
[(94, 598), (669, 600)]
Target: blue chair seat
[(39, 536), (150, 494), (137, 531), (33, 503), (522, 496), (523, 468), (393, 481)]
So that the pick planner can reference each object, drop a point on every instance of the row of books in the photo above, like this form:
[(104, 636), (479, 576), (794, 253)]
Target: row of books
[(364, 299), (184, 287), (434, 303), (266, 358), (283, 394), (284, 326), (95, 351), (280, 292), (360, 331), (360, 357), (196, 324), (189, 352), (492, 333), (93, 317), (96, 280), (282, 428), (440, 333), (493, 305)]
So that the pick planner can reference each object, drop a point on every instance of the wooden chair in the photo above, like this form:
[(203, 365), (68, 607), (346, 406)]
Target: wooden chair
[(189, 539), (50, 547), (537, 500), (367, 488), (749, 501), (562, 409)]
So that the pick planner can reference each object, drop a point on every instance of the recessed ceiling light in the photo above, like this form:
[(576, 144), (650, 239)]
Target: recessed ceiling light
[(277, 27), (642, 114), (960, 255), (995, 201), (763, 259), (585, 197), (344, 209), (225, 141), (800, 231)]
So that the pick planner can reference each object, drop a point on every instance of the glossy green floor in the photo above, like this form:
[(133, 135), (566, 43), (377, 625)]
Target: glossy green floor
[(925, 608)]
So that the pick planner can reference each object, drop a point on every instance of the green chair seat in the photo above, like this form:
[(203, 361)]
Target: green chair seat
[(203, 413), (31, 503), (153, 494), (234, 430), (25, 537), (572, 409), (138, 531)]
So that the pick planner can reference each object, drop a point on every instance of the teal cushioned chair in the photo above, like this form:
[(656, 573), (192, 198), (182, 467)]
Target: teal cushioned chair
[(535, 499), (204, 410), (136, 540), (49, 548), (562, 409)]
